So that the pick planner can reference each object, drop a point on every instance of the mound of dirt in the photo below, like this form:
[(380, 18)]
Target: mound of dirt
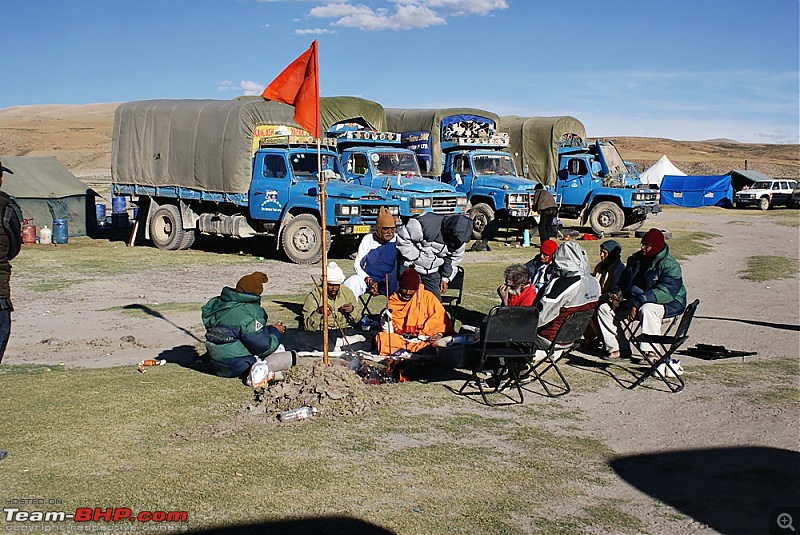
[(335, 390)]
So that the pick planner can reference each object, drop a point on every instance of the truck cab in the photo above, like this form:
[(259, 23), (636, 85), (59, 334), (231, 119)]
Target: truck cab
[(375, 160), (481, 169), (285, 189), (595, 185)]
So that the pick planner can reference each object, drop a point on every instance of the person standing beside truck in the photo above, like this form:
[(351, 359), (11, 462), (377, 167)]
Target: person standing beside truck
[(10, 244), (545, 204)]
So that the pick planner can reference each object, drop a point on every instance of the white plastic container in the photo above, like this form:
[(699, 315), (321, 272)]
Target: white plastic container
[(45, 235)]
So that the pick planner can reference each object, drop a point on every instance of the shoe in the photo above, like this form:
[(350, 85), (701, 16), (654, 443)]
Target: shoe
[(611, 356), (650, 357), (674, 365)]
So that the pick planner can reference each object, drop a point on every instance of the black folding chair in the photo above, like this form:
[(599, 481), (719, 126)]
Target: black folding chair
[(451, 299), (508, 339), (365, 311), (664, 346), (567, 338)]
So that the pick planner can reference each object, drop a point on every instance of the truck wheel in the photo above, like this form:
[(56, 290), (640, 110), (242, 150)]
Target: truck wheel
[(188, 239), (606, 217), (166, 227), (482, 215), (763, 203), (302, 239)]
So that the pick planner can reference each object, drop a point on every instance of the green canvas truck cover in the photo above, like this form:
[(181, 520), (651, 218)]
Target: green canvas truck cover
[(412, 120), (207, 144), (534, 142)]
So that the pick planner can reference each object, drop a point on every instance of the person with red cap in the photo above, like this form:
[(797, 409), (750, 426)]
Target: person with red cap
[(541, 267), (418, 318), (651, 288)]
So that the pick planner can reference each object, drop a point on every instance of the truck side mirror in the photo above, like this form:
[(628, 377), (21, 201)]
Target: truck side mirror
[(458, 179)]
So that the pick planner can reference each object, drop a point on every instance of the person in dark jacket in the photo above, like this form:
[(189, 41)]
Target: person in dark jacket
[(237, 331), (433, 245), (10, 244), (545, 204), (652, 288), (607, 272)]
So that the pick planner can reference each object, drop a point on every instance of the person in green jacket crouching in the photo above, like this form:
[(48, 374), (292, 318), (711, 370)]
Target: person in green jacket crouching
[(237, 331)]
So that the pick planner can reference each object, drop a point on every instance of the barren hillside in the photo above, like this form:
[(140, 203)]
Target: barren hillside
[(80, 137)]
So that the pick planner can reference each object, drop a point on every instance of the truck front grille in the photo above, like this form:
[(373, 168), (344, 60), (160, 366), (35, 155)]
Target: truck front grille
[(444, 205)]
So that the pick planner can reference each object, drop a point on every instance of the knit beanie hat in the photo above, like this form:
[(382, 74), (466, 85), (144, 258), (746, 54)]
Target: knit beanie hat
[(409, 280), (335, 273), (549, 247), (252, 283), (385, 219), (655, 239)]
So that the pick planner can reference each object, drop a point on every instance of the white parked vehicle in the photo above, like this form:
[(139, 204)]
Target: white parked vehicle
[(766, 194)]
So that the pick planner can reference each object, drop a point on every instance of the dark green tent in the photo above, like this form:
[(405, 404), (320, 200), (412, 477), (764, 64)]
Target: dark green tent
[(46, 190)]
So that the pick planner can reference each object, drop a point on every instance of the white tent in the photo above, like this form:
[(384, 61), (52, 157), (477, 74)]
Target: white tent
[(656, 172)]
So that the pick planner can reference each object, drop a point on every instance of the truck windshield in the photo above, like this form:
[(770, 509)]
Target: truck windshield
[(491, 164), (393, 163), (304, 165)]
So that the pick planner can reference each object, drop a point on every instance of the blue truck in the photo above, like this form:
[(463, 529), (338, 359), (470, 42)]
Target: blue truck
[(591, 181), (375, 159), (461, 147), (239, 169)]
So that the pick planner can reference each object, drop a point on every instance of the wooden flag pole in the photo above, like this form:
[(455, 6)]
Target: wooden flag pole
[(324, 288)]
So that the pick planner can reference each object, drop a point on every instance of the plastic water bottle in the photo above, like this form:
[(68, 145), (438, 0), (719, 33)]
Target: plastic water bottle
[(366, 323), (45, 235), (526, 238), (300, 413)]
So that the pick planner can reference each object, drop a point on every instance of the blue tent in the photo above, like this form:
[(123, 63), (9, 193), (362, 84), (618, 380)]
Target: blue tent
[(694, 191)]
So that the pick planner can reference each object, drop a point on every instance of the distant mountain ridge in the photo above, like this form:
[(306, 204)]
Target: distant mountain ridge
[(79, 136)]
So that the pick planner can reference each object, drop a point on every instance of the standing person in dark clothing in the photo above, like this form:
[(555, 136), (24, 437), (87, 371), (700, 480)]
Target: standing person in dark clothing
[(10, 244), (545, 204)]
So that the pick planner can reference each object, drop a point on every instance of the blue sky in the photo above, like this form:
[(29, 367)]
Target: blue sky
[(684, 70)]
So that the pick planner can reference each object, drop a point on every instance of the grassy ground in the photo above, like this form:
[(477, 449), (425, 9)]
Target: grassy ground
[(426, 462), (767, 268)]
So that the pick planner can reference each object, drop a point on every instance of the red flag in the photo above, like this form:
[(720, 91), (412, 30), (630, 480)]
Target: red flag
[(298, 86)]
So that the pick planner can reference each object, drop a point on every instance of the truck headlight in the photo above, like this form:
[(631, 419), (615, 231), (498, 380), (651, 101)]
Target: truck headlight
[(461, 201), (394, 210), (348, 210), (418, 202)]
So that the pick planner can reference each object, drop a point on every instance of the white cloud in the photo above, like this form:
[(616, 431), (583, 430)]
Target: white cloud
[(247, 87), (403, 14), (458, 7), (312, 31), (251, 88)]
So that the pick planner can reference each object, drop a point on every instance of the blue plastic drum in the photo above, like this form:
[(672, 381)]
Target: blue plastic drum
[(60, 230)]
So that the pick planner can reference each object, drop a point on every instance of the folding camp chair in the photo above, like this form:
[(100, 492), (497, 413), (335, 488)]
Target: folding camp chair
[(632, 329), (567, 338), (508, 339), (451, 299), (365, 311), (664, 346)]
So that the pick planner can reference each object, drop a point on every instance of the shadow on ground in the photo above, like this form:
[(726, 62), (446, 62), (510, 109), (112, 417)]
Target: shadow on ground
[(732, 490), (336, 525)]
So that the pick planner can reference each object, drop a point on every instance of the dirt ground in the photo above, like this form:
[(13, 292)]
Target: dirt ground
[(78, 326)]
